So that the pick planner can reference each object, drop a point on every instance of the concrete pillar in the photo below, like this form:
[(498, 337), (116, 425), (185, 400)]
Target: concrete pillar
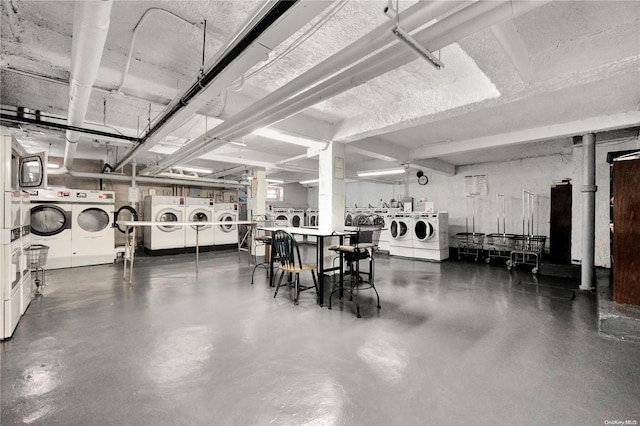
[(331, 193), (257, 201), (588, 190)]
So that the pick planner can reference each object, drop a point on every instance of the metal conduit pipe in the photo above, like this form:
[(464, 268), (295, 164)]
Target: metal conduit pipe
[(467, 21), (588, 190), (208, 183), (90, 28), (412, 18)]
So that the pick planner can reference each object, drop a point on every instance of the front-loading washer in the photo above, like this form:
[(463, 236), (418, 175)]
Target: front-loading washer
[(92, 235), (167, 237), (296, 219), (400, 228), (282, 216), (51, 225), (430, 233), (312, 217), (225, 234), (199, 210)]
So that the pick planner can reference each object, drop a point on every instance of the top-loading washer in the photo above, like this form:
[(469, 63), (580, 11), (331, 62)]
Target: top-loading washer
[(199, 210), (161, 208), (282, 216), (431, 236), (92, 233), (312, 217), (225, 234), (51, 225), (400, 229)]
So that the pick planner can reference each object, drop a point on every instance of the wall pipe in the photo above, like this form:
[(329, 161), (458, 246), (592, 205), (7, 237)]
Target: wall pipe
[(90, 27), (169, 181), (588, 190)]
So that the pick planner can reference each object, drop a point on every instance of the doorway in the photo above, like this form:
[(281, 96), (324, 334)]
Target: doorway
[(560, 223)]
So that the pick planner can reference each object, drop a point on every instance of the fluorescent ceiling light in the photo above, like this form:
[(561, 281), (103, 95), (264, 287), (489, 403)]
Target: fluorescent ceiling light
[(52, 166), (238, 143), (364, 173), (417, 47), (274, 181), (306, 182), (193, 169), (294, 140)]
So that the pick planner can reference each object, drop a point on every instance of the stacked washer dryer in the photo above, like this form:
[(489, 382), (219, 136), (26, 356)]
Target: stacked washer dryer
[(431, 236), (199, 210), (92, 233), (51, 224), (225, 234), (168, 238), (400, 230)]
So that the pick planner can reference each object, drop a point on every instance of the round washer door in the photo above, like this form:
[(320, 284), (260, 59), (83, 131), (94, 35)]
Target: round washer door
[(282, 220), (312, 221), (423, 230), (348, 220), (93, 220), (199, 216), (48, 220), (296, 221), (227, 217), (398, 229), (167, 216)]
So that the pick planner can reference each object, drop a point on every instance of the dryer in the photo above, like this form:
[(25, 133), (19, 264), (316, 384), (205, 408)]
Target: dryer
[(431, 236), (282, 217), (92, 233), (225, 235), (51, 225), (296, 219), (312, 217), (162, 208), (199, 210), (400, 229)]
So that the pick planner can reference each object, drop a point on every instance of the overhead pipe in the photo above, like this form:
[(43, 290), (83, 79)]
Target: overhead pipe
[(208, 183), (460, 24), (412, 18), (588, 190), (90, 27)]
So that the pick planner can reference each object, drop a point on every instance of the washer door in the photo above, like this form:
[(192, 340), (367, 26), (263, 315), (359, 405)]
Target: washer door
[(348, 220), (312, 221), (296, 221), (398, 229), (48, 220), (423, 230), (282, 220), (199, 216), (93, 220), (168, 216), (227, 217)]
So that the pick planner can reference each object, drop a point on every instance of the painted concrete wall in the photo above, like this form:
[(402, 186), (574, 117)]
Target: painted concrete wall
[(375, 194)]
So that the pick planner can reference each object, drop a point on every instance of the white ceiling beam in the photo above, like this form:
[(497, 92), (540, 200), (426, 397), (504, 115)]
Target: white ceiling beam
[(436, 165), (572, 128), (507, 35)]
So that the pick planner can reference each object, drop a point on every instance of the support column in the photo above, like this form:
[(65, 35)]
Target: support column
[(331, 188), (256, 204), (588, 190)]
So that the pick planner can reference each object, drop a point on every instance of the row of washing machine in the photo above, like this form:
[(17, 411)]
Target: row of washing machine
[(76, 225), (420, 235), (188, 209)]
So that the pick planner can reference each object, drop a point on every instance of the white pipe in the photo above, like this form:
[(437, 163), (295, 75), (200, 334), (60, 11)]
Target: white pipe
[(452, 28), (90, 27), (588, 190), (208, 183)]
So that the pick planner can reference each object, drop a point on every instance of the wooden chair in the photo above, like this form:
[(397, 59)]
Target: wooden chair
[(288, 254)]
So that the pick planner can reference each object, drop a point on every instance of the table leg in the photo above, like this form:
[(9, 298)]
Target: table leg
[(272, 256), (132, 254), (320, 248), (341, 260), (197, 246), (127, 250)]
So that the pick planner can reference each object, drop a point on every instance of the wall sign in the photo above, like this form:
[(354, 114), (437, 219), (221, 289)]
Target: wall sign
[(475, 185)]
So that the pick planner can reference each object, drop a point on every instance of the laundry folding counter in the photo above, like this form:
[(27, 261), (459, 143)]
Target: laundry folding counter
[(321, 235), (130, 233)]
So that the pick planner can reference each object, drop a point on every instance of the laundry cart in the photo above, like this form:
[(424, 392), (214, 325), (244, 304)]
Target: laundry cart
[(470, 243), (37, 258), (500, 244), (527, 248)]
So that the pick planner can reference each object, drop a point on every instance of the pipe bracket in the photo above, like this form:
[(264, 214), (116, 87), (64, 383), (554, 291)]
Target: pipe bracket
[(589, 188)]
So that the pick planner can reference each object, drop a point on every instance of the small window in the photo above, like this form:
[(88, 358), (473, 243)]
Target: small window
[(275, 193)]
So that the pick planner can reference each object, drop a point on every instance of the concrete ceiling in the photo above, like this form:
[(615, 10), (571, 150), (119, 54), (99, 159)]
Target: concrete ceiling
[(515, 88)]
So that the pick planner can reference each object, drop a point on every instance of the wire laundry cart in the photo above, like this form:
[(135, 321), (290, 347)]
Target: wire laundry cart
[(470, 243), (527, 248), (37, 258), (500, 244)]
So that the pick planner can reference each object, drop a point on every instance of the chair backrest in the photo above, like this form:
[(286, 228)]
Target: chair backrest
[(368, 234), (286, 249)]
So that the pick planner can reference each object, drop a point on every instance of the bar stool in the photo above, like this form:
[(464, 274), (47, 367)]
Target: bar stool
[(261, 238)]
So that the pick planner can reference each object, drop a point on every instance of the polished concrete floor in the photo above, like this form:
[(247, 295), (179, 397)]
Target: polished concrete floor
[(454, 343)]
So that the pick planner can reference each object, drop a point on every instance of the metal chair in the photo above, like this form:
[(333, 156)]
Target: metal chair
[(286, 250), (261, 238), (362, 247)]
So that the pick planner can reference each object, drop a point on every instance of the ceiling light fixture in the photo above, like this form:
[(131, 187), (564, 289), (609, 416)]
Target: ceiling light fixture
[(52, 166), (193, 169), (274, 181), (238, 143), (396, 171), (307, 182), (294, 140), (417, 47)]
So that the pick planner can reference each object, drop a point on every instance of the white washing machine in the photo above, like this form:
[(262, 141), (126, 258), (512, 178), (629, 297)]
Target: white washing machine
[(225, 234), (400, 229), (51, 225), (282, 216), (312, 217), (199, 210), (348, 216), (161, 208), (28, 287), (431, 236), (11, 281), (296, 218), (92, 233), (360, 215)]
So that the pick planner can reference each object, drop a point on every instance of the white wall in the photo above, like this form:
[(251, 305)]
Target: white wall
[(375, 194), (295, 195)]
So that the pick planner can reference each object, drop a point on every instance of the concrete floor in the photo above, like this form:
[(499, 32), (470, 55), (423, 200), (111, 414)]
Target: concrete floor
[(454, 343)]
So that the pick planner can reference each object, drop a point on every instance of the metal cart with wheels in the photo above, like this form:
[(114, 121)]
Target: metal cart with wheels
[(500, 244), (470, 243), (37, 258), (527, 250)]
